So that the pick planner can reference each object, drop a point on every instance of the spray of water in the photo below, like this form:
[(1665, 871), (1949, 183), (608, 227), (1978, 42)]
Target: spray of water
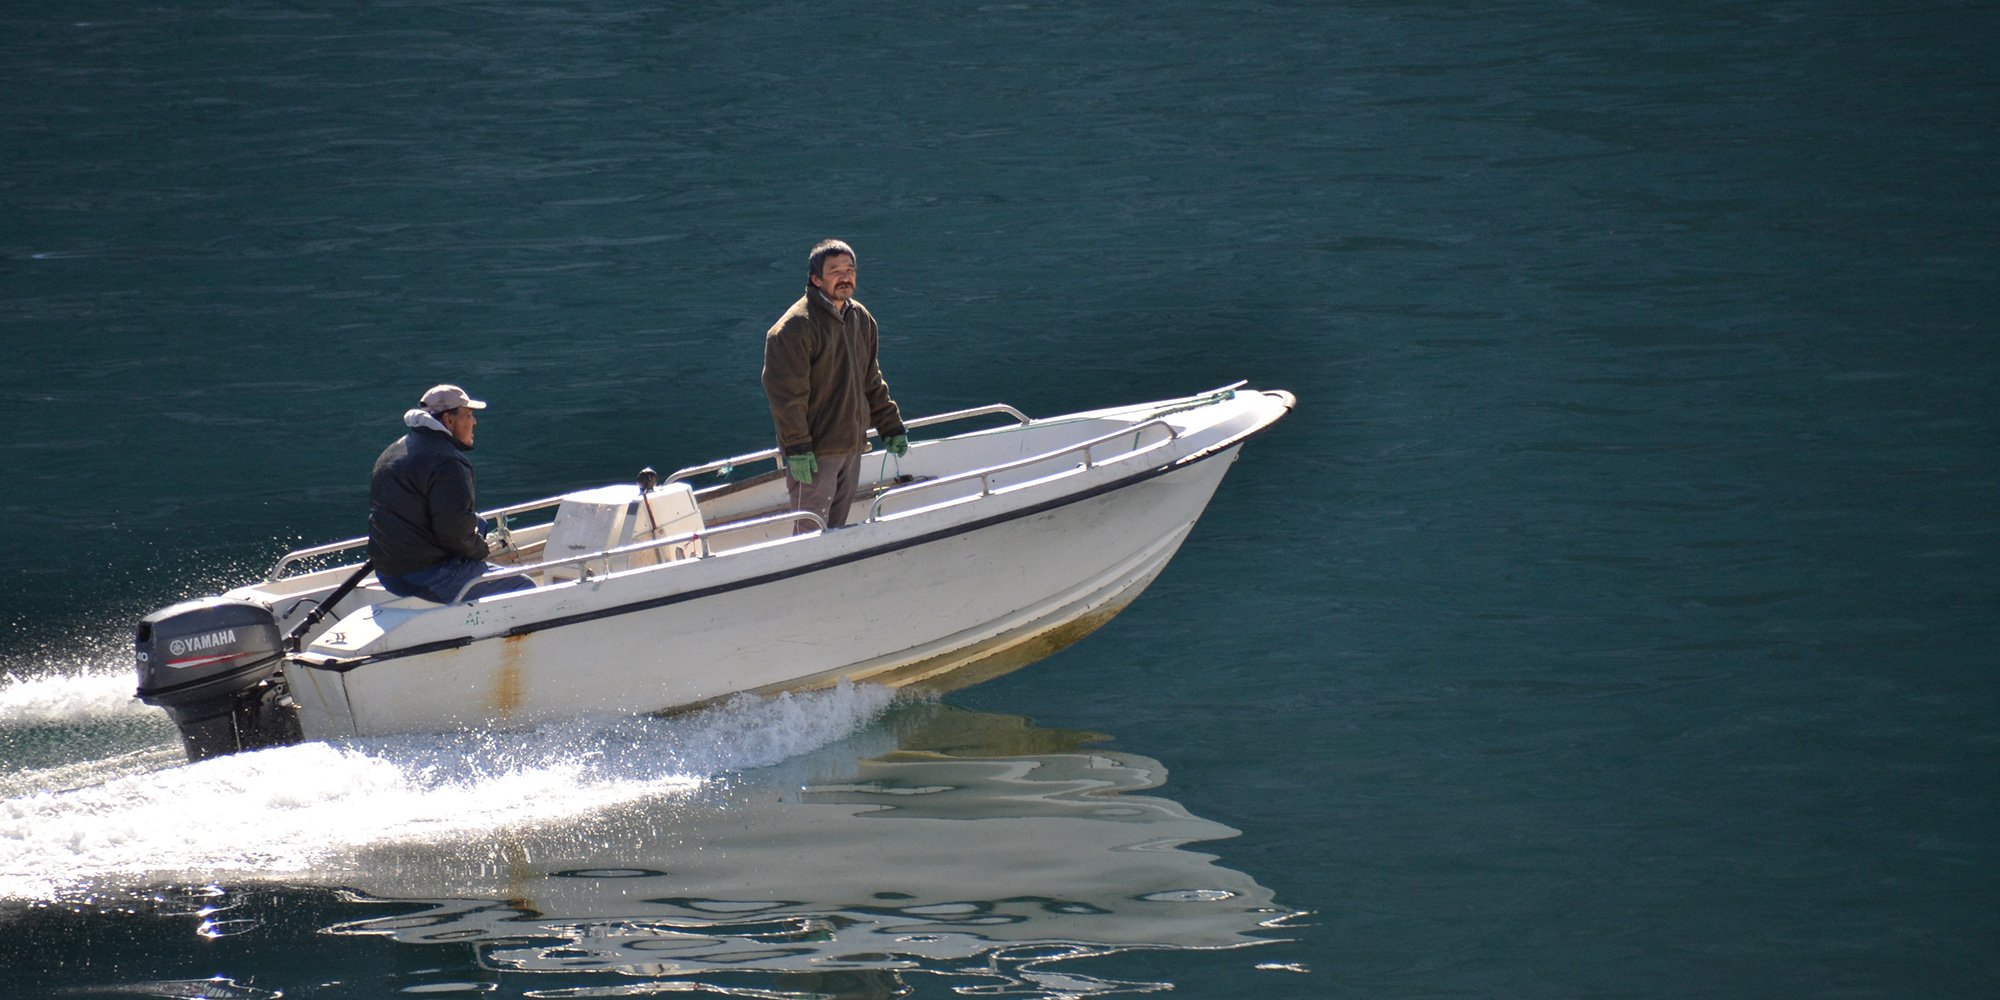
[(69, 697), (308, 811), (78, 673)]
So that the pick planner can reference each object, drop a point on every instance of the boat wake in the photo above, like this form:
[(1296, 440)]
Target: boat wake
[(315, 812), (69, 693), (85, 681), (71, 721)]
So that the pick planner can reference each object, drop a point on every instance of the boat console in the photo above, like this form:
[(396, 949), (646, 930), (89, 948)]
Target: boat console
[(611, 517)]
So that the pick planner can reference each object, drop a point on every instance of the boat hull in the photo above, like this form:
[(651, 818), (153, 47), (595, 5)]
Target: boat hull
[(897, 602)]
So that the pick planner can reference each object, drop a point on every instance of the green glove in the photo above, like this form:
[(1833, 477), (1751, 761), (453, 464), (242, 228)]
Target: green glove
[(899, 445), (802, 467)]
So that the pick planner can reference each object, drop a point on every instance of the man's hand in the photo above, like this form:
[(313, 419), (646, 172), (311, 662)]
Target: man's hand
[(899, 445), (802, 467), (499, 543)]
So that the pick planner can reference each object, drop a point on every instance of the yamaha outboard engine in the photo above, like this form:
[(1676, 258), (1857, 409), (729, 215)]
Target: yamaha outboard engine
[(213, 665)]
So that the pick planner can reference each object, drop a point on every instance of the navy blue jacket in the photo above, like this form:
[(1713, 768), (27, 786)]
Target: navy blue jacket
[(420, 505)]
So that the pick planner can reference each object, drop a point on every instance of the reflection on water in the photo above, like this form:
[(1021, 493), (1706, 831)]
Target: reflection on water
[(1019, 851), (932, 849)]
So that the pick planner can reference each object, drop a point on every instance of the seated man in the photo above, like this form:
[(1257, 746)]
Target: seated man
[(423, 528)]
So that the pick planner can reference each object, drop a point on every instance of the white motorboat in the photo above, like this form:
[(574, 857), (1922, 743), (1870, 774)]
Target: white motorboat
[(970, 556)]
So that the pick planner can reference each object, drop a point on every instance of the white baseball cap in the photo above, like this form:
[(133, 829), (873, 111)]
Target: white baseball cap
[(439, 398)]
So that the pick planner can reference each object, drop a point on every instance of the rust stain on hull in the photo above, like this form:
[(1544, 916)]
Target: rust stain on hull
[(959, 668), (965, 668), (507, 680), (977, 664)]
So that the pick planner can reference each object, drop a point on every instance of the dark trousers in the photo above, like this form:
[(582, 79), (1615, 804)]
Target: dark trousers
[(830, 493), (440, 583)]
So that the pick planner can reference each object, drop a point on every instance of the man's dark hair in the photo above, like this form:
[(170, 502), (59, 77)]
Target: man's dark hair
[(821, 252)]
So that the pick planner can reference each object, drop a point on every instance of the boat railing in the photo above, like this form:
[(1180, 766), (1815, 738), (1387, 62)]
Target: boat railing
[(296, 555), (930, 421), (278, 569), (701, 538), (985, 476)]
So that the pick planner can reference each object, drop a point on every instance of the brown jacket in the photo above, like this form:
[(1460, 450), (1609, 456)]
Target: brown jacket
[(823, 380)]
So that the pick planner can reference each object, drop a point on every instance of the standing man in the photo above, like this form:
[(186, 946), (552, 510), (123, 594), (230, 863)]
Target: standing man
[(825, 388), (423, 530)]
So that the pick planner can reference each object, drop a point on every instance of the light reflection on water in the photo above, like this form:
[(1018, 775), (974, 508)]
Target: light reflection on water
[(968, 850), (990, 863)]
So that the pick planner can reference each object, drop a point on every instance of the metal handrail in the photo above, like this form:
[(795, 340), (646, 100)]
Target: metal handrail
[(941, 418), (985, 476), (355, 543), (327, 549), (307, 553), (977, 411), (703, 536), (717, 466)]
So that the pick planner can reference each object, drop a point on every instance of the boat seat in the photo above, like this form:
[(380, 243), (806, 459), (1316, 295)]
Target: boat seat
[(373, 594), (415, 603)]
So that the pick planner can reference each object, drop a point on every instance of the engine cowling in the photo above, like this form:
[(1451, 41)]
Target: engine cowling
[(212, 663)]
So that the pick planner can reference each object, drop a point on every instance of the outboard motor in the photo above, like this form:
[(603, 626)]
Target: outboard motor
[(213, 665)]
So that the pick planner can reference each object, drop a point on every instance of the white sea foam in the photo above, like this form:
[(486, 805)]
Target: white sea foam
[(74, 694), (305, 810)]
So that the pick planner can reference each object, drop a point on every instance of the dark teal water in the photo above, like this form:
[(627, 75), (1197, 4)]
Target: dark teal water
[(1613, 618)]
